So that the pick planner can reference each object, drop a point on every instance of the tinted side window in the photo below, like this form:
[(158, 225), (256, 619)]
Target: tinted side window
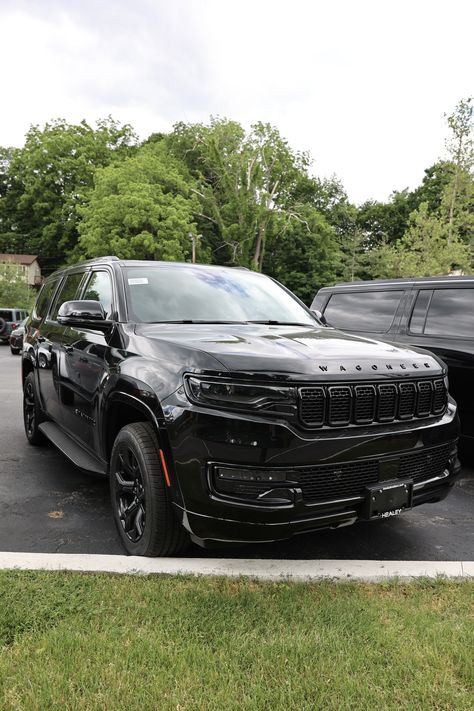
[(99, 288), (67, 292), (7, 315), (451, 313), (418, 317), (363, 310), (44, 297)]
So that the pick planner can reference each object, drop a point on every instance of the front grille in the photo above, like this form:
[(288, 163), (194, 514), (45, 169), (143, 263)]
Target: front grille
[(343, 405), (328, 482)]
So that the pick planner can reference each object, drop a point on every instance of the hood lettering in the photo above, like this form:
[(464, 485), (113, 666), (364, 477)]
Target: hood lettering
[(373, 366)]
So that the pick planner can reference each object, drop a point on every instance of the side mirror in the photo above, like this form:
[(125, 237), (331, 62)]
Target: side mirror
[(321, 318), (84, 314)]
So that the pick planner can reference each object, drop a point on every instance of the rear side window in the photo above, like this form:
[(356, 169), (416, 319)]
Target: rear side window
[(67, 292), (451, 313), (7, 315), (44, 297), (418, 317), (363, 310)]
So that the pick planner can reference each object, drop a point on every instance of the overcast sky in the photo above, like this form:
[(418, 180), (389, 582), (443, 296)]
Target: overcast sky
[(361, 84)]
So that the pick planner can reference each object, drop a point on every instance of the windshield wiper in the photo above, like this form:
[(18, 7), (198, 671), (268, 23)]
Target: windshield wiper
[(271, 322), (189, 320)]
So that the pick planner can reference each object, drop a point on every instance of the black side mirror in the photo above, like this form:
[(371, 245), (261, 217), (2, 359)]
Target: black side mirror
[(84, 314), (321, 318)]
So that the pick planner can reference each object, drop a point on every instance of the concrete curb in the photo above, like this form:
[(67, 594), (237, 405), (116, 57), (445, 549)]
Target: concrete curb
[(302, 570)]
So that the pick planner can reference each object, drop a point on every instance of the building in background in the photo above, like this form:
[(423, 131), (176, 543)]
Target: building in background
[(27, 265)]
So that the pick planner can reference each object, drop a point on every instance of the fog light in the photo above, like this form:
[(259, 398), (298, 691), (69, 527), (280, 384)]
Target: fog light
[(257, 475)]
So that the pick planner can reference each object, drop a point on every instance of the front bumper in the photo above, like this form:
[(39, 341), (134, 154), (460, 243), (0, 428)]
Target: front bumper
[(198, 439)]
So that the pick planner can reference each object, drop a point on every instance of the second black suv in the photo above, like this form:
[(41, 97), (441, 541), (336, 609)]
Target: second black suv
[(436, 313), (222, 409)]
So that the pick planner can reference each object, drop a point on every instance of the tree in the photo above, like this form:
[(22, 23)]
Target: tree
[(140, 208), (244, 185), (305, 256), (45, 182), (424, 249), (461, 149), (14, 289)]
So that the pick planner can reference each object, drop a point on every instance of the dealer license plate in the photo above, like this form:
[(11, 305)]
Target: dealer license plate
[(388, 498)]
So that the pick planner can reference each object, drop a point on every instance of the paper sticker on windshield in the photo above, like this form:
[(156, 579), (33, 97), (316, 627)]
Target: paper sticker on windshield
[(138, 280)]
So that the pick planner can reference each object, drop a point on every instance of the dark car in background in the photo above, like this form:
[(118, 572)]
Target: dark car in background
[(9, 320), (436, 313), (16, 338), (222, 410)]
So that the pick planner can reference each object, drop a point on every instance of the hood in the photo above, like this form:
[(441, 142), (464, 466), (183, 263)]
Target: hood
[(293, 351)]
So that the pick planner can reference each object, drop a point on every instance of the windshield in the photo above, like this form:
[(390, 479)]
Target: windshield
[(209, 295)]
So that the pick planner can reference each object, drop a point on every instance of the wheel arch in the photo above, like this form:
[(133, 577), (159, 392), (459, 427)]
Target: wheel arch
[(122, 408), (27, 367)]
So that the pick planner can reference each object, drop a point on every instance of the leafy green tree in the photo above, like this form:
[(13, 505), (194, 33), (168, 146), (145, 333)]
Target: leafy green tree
[(44, 183), (140, 208), (244, 185), (461, 149), (14, 289), (424, 249), (305, 256)]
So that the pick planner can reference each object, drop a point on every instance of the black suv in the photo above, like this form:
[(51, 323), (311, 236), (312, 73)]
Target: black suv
[(222, 409), (436, 313)]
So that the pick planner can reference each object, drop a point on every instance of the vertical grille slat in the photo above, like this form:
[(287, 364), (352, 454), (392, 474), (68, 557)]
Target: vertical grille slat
[(440, 399), (387, 402), (406, 401), (340, 402), (313, 406), (365, 403), (425, 398), (364, 407)]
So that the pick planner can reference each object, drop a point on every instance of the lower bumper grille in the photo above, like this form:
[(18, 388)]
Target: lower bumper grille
[(328, 482)]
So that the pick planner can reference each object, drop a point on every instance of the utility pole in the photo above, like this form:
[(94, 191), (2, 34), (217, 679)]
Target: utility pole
[(194, 240)]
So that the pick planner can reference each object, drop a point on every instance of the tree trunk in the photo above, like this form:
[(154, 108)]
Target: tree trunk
[(452, 205), (259, 248)]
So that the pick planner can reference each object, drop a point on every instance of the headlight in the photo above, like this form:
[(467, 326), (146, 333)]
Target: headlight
[(239, 396)]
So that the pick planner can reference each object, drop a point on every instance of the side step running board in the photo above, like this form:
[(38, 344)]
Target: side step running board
[(73, 451)]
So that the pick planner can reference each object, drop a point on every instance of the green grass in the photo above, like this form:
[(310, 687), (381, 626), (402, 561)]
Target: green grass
[(72, 641)]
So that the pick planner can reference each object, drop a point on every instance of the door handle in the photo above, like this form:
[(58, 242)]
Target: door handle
[(69, 349)]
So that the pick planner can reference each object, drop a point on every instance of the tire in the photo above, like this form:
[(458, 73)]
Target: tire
[(3, 325), (32, 415), (15, 351), (137, 486)]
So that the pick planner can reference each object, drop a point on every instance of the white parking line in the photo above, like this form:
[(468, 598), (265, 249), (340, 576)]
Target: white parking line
[(301, 570)]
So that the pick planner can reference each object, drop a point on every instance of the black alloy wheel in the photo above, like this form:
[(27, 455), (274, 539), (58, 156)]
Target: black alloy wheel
[(130, 495), (141, 501), (32, 415)]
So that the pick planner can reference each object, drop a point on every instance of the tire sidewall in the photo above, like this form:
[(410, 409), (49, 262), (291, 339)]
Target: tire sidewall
[(126, 439)]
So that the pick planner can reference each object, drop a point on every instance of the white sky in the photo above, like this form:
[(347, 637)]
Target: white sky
[(361, 84)]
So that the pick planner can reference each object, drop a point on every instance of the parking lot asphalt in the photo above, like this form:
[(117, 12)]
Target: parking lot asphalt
[(48, 506)]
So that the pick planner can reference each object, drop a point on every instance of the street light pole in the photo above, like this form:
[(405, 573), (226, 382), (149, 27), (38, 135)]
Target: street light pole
[(194, 240)]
